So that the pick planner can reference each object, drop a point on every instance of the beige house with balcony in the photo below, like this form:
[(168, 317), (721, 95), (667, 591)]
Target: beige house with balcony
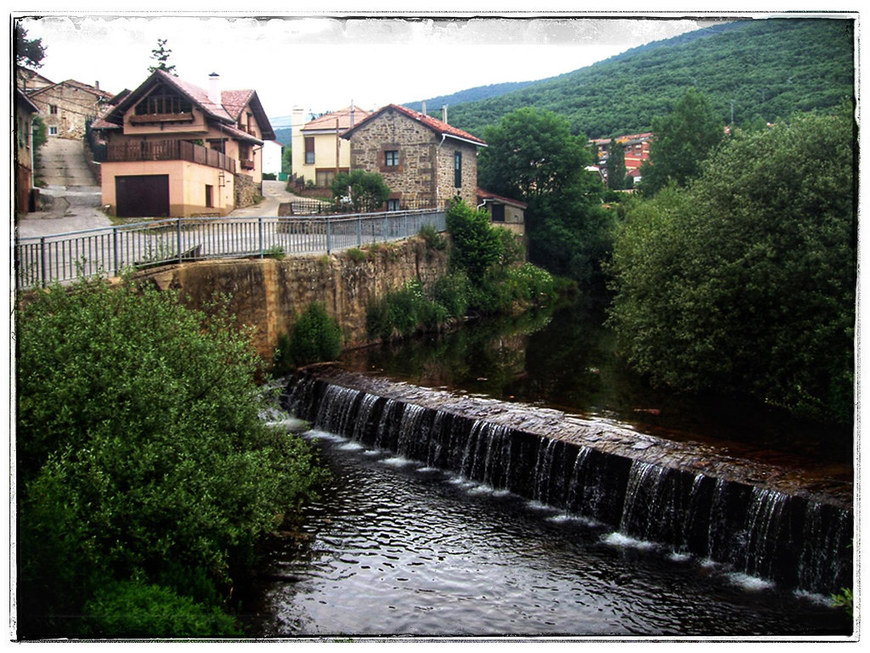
[(174, 149), (318, 150)]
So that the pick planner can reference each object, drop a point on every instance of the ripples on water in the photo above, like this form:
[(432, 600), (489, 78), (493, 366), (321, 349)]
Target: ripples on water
[(395, 548)]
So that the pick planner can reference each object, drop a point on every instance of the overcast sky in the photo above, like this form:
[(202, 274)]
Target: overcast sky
[(322, 63)]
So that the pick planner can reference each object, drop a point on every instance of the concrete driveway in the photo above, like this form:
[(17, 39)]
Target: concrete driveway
[(77, 208)]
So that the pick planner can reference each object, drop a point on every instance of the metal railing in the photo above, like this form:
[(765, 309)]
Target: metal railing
[(40, 261)]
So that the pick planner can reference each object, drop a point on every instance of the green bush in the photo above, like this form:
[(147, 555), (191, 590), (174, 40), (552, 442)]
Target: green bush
[(476, 245), (745, 281), (132, 609), (452, 292), (529, 283), (315, 336), (140, 451), (434, 239), (356, 255)]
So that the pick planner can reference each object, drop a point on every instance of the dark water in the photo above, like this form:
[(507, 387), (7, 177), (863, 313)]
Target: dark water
[(567, 359), (394, 548)]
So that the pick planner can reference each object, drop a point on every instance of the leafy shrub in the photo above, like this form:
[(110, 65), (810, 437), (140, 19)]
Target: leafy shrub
[(434, 240), (745, 281), (368, 192), (356, 255), (132, 609), (452, 292), (315, 336), (403, 311), (139, 448), (476, 245), (530, 283)]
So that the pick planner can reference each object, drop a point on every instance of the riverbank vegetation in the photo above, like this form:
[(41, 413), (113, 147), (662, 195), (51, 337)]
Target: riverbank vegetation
[(743, 281), (487, 277), (145, 476)]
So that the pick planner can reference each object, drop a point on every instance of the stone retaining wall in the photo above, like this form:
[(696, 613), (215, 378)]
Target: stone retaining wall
[(268, 294)]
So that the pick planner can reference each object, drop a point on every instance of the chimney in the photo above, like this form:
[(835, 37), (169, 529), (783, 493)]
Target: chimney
[(423, 108), (97, 84), (352, 112), (214, 88), (444, 113)]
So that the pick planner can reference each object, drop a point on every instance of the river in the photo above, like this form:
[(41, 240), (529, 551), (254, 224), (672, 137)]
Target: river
[(397, 548)]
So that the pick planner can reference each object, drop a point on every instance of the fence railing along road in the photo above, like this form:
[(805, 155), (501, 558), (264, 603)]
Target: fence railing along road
[(40, 261)]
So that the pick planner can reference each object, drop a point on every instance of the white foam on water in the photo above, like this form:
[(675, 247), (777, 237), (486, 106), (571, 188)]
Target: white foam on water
[(749, 583), (565, 518), (397, 461), (679, 557), (625, 542), (351, 446), (537, 505), (428, 470), (316, 434), (814, 597)]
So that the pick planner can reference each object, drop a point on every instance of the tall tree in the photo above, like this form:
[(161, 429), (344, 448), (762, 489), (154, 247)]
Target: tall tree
[(682, 140), (532, 156), (616, 167), (28, 52), (161, 55), (744, 282)]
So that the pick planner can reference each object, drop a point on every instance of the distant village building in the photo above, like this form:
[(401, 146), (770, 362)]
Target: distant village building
[(636, 148), (318, 150), (68, 107), (503, 211)]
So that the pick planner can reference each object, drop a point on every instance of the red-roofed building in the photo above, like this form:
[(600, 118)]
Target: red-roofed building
[(67, 107), (174, 149), (636, 148), (504, 211), (422, 159)]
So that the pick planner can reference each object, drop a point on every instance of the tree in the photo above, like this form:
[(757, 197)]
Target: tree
[(161, 55), (532, 156), (681, 142), (140, 452), (28, 52), (476, 245), (744, 282), (616, 167), (365, 190)]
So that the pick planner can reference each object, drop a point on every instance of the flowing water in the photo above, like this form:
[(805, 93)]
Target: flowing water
[(439, 526), (396, 547)]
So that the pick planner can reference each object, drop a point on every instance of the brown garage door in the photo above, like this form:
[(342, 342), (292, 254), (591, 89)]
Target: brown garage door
[(142, 196)]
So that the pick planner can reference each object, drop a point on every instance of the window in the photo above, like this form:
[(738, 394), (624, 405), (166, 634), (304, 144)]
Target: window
[(309, 149), (52, 131), (457, 169), (209, 196), (391, 158), (52, 109), (497, 212), (393, 205)]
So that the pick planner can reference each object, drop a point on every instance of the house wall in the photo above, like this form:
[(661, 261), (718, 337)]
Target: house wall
[(74, 107), (187, 182), (425, 170), (324, 154)]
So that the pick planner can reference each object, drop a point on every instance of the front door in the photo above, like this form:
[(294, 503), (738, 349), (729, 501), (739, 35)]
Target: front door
[(142, 196)]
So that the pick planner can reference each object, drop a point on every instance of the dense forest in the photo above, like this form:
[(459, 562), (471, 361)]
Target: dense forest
[(759, 69)]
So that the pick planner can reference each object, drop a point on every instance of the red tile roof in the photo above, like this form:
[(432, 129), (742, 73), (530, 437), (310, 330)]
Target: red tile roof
[(327, 121), (487, 195), (438, 126)]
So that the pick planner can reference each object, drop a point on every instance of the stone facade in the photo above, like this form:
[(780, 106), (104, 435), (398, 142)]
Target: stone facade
[(66, 108), (414, 156)]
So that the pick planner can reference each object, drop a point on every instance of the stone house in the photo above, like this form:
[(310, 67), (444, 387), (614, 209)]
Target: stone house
[(318, 151), (424, 161), (67, 107), (27, 80), (174, 149), (24, 111)]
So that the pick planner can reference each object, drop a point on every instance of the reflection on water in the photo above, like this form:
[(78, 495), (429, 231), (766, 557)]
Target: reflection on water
[(567, 359)]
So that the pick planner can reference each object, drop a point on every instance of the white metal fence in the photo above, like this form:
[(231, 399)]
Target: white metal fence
[(107, 251)]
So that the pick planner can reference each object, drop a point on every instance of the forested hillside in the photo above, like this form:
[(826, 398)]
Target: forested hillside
[(468, 95), (764, 69)]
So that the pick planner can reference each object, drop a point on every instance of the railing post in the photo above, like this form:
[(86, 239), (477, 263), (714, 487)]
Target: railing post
[(42, 260), (178, 238), (359, 230), (115, 250), (260, 234), (328, 236)]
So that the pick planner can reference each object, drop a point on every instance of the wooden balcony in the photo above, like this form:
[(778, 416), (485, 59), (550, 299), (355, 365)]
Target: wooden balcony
[(169, 150), (150, 118), (246, 164)]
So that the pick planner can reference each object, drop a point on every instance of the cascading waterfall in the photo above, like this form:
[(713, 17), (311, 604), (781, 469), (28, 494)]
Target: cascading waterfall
[(757, 531)]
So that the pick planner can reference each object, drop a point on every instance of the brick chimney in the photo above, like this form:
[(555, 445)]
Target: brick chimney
[(214, 88)]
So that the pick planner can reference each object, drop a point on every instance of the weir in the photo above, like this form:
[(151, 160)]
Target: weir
[(760, 519)]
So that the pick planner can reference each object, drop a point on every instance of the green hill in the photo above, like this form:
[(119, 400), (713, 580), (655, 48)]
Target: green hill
[(762, 69)]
